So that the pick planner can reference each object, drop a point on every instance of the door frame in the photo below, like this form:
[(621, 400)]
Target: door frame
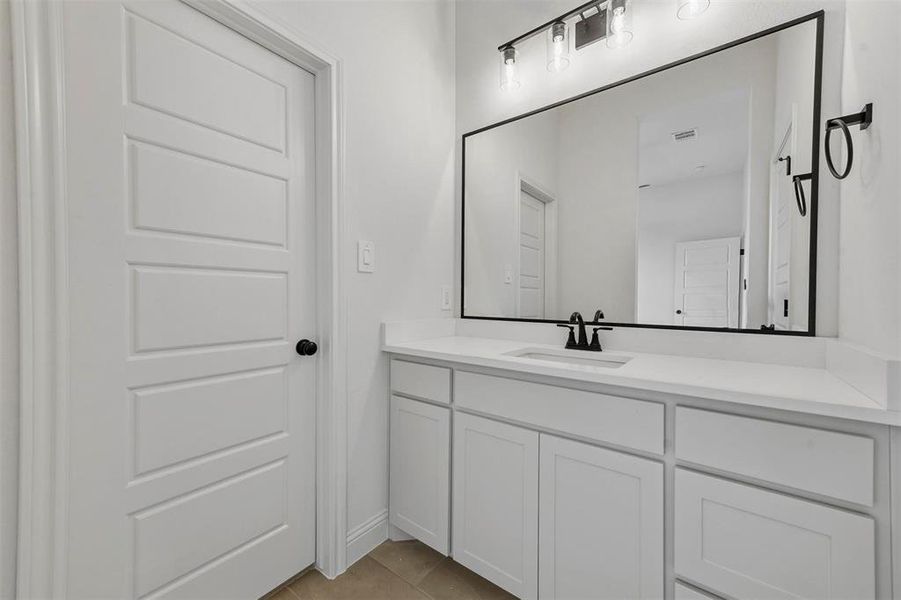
[(38, 85)]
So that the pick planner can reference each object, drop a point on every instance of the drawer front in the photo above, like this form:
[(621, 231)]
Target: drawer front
[(683, 592), (622, 421), (421, 381), (833, 464), (745, 542), (420, 471)]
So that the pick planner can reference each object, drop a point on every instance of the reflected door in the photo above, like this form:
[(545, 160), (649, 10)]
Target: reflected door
[(191, 435), (707, 283), (530, 292), (782, 205)]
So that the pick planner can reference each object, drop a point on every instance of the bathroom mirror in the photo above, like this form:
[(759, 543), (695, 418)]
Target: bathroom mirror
[(685, 197)]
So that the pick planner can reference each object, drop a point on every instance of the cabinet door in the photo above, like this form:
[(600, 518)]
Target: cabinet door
[(496, 502), (601, 523), (745, 542), (420, 470)]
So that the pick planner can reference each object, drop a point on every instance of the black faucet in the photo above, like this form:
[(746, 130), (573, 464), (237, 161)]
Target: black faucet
[(576, 320)]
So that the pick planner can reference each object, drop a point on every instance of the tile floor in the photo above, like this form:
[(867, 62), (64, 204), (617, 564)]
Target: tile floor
[(395, 571)]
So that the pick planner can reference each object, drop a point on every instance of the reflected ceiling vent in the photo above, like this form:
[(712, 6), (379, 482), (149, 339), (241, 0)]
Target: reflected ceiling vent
[(685, 135)]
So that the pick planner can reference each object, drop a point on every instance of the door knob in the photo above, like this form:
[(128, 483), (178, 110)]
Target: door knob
[(306, 348), (678, 311)]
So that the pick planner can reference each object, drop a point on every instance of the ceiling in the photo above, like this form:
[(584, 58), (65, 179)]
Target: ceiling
[(721, 146)]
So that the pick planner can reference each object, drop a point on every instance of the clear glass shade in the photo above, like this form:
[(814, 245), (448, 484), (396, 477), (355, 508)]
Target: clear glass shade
[(689, 9), (557, 47), (509, 70), (619, 23)]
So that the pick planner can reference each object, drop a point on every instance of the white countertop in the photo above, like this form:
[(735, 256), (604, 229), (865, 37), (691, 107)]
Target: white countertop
[(797, 389)]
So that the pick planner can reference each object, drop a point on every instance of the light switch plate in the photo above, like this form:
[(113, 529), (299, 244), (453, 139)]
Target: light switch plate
[(365, 256), (445, 297)]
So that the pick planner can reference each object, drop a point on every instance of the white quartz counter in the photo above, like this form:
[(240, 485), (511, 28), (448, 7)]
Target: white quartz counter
[(798, 389)]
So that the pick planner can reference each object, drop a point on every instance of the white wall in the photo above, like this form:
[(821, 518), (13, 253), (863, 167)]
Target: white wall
[(660, 38), (870, 215), (398, 69), (696, 209), (598, 166), (9, 332)]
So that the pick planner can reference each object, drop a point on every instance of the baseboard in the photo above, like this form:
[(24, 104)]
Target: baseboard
[(363, 539)]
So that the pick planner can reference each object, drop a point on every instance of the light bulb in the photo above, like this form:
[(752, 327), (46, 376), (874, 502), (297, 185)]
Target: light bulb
[(689, 9), (557, 47), (509, 72), (619, 24)]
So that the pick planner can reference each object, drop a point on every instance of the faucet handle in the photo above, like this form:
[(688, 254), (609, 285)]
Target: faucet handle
[(571, 339), (595, 344), (598, 315)]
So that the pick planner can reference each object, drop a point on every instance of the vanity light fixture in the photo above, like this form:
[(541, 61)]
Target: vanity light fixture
[(689, 9), (597, 20), (557, 47), (509, 70)]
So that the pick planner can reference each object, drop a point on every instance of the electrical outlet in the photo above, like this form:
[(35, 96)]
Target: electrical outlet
[(445, 297)]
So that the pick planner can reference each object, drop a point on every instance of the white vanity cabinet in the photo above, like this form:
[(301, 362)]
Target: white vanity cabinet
[(601, 523), (495, 514), (565, 490)]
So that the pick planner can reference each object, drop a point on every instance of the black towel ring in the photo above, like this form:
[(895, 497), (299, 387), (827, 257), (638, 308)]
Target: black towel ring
[(800, 198), (864, 118)]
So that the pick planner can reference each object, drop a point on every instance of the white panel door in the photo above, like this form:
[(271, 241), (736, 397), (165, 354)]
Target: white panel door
[(782, 205), (495, 509), (707, 284), (531, 257), (191, 258), (601, 523), (420, 471), (744, 542)]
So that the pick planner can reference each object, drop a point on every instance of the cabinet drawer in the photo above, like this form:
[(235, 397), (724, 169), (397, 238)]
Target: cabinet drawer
[(622, 421), (833, 464), (420, 471), (745, 542), (683, 592), (422, 381)]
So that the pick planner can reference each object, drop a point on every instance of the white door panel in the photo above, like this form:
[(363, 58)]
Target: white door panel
[(531, 274), (191, 266), (707, 286)]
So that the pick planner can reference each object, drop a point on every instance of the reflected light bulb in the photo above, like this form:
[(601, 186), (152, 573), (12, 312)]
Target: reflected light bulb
[(620, 30), (689, 9)]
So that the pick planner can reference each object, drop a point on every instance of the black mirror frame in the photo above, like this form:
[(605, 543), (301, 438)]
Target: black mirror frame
[(814, 177)]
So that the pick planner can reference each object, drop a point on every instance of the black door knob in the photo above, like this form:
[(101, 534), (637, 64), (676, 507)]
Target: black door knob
[(306, 348), (678, 311)]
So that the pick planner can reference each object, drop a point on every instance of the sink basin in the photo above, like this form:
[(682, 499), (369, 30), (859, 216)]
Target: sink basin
[(572, 357)]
